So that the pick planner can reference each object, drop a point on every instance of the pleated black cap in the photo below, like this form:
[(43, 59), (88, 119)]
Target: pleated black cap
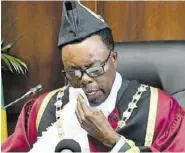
[(78, 23)]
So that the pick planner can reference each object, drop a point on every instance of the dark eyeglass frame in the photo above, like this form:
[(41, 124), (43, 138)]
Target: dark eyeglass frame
[(85, 70)]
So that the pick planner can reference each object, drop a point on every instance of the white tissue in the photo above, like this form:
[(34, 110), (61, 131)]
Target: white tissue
[(72, 128), (70, 125)]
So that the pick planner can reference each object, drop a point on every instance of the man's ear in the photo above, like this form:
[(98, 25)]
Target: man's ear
[(114, 59)]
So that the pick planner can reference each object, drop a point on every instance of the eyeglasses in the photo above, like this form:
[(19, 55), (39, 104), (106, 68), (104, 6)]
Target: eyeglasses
[(91, 72)]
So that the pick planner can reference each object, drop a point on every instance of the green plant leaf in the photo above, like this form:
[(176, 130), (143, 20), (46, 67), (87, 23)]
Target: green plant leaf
[(9, 67), (10, 62), (14, 64), (8, 47)]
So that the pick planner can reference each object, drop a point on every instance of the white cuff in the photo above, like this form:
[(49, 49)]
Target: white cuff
[(118, 145)]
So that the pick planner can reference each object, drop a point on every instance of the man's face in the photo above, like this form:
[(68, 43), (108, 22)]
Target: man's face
[(89, 53)]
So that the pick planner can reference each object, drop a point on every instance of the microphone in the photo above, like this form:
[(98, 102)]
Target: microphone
[(68, 145), (31, 92)]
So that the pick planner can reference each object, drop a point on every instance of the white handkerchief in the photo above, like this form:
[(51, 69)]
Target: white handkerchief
[(70, 126)]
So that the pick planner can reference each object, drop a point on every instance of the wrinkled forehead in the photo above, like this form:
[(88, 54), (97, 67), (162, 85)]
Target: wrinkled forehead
[(82, 54)]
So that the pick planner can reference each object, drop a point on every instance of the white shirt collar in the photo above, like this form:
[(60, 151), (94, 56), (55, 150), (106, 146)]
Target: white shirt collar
[(109, 104)]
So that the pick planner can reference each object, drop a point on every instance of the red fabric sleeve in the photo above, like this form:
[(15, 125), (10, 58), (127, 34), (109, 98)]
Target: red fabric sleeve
[(18, 140), (25, 133), (170, 125)]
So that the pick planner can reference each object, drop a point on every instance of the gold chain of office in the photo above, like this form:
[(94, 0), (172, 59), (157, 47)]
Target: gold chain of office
[(131, 106), (126, 114)]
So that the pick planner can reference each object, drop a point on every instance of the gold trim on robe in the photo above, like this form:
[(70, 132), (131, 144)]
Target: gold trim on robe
[(152, 116), (44, 104)]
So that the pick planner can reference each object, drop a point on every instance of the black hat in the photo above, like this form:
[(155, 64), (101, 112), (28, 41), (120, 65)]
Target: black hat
[(78, 23)]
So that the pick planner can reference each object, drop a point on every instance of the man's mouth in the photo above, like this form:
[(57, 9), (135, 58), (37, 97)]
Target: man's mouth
[(91, 93)]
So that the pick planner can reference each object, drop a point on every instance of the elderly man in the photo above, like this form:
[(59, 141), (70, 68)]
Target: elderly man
[(121, 116)]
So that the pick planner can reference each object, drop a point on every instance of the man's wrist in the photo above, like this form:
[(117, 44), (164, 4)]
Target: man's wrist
[(113, 140)]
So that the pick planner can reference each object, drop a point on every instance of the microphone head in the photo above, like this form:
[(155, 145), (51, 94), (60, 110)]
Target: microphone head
[(36, 89), (68, 144)]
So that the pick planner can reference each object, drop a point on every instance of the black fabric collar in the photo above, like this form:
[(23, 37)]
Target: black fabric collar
[(122, 89)]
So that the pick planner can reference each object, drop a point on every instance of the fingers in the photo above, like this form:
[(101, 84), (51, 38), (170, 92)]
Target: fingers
[(84, 114), (84, 106), (78, 115), (79, 112)]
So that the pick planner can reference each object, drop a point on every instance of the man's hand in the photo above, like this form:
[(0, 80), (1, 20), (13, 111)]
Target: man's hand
[(95, 123)]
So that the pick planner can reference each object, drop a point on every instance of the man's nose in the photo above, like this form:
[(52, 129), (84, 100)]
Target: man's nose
[(86, 79)]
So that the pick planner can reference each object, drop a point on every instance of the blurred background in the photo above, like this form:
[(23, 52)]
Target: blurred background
[(40, 23)]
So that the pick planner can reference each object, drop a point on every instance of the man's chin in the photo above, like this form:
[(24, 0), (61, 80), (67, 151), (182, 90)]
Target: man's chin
[(95, 101), (96, 98)]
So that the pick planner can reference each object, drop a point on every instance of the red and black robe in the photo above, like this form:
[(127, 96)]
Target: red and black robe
[(157, 124)]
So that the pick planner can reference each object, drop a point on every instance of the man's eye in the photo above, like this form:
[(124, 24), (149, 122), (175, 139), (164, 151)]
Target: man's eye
[(94, 70)]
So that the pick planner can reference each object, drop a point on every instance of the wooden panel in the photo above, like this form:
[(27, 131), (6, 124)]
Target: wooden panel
[(92, 5), (133, 21), (116, 15), (40, 22)]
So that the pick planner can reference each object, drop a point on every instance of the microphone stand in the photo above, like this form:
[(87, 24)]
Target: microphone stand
[(12, 103), (31, 92)]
